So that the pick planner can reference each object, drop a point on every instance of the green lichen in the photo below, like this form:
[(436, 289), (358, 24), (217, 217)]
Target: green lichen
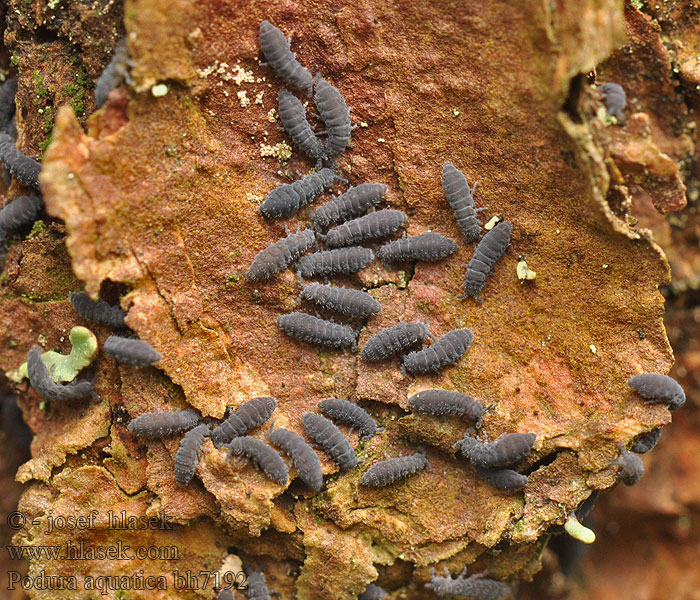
[(45, 143), (40, 100), (65, 367), (47, 125), (38, 227), (39, 84), (607, 119), (160, 90), (76, 92), (579, 532)]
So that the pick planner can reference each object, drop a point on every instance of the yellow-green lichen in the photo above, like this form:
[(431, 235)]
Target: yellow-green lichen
[(579, 532), (160, 90), (65, 367), (38, 227)]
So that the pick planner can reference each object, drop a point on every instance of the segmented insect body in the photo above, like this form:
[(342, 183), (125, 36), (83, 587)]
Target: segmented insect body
[(8, 91), (615, 99), (646, 441), (131, 351), (331, 262), (42, 382), (320, 332), (426, 247), (187, 455), (353, 203), (658, 388), (303, 456), (21, 167), (278, 256), (388, 471), (394, 339), (352, 303), (587, 506), (344, 411), (459, 197), (491, 247), (375, 225), (10, 130), (331, 439), (114, 74), (503, 479), (249, 415), (445, 402), (288, 198), (336, 116), (262, 455), (372, 592), (163, 423), (631, 468), (446, 351), (257, 588), (504, 452), (19, 213), (98, 311), (275, 48), (477, 587), (293, 116)]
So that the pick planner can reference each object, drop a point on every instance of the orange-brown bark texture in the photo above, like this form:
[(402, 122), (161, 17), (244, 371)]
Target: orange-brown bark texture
[(152, 201), (647, 543)]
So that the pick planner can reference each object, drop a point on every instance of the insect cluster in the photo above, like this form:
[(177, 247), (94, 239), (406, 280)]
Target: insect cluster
[(475, 586), (127, 350), (23, 210), (488, 460), (352, 227), (348, 220), (344, 225)]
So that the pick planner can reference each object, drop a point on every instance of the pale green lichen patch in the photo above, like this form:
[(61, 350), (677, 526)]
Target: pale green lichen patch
[(606, 118), (579, 532), (160, 90), (37, 228), (65, 367)]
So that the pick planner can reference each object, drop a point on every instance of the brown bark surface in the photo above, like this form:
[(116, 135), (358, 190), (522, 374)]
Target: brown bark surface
[(647, 535), (155, 198)]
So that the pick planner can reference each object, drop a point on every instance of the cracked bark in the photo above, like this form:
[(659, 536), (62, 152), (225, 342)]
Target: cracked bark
[(155, 197)]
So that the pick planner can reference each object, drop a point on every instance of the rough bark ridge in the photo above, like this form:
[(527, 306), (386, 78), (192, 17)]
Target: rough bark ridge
[(650, 551), (160, 196)]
